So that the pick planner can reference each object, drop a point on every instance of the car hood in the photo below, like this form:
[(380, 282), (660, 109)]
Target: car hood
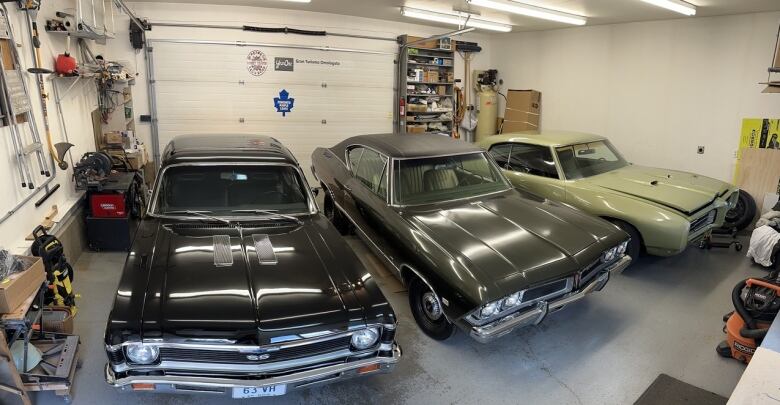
[(682, 191), (194, 291), (512, 240)]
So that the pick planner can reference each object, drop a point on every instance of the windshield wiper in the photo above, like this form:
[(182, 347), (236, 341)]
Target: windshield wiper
[(203, 214), (272, 213)]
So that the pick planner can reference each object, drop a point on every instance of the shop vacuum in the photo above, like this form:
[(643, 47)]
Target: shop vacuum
[(756, 303)]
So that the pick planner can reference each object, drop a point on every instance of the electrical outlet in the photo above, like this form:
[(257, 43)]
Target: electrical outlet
[(700, 150)]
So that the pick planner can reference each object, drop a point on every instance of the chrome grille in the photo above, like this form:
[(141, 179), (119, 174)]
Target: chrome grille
[(223, 251), (547, 290), (701, 223), (260, 357)]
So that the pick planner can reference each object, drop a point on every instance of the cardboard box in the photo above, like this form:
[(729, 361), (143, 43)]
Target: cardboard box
[(136, 160), (113, 138), (523, 110), (432, 76), (429, 44), (417, 107), (17, 287), (416, 129)]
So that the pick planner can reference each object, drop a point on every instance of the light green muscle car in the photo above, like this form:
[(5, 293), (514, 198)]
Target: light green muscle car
[(663, 210)]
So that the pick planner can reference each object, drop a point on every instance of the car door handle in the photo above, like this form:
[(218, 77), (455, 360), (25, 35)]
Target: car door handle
[(347, 188)]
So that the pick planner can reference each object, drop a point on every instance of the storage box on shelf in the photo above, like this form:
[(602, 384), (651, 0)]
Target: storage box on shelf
[(427, 85)]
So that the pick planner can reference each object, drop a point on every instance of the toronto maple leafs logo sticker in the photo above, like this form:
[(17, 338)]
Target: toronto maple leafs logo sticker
[(284, 103)]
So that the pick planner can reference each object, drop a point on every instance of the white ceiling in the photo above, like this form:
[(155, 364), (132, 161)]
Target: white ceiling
[(597, 11)]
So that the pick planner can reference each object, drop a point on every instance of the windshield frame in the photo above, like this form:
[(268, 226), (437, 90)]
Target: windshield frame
[(396, 160), (310, 202), (606, 142)]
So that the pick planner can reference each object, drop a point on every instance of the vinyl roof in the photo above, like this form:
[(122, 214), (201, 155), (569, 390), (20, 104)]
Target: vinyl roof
[(206, 147), (412, 145)]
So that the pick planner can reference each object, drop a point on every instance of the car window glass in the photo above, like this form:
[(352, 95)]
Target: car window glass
[(501, 154), (443, 178), (532, 159), (354, 158), (230, 188), (371, 171), (589, 159)]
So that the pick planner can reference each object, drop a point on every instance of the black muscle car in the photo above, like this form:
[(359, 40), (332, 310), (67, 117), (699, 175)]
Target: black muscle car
[(473, 251), (235, 283)]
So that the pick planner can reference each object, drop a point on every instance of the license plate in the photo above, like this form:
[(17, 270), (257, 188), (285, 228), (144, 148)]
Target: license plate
[(254, 392)]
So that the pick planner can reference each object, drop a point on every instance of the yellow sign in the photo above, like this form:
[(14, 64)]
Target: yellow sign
[(760, 133)]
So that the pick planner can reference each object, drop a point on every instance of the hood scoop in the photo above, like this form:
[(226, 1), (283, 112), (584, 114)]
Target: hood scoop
[(264, 249), (223, 251)]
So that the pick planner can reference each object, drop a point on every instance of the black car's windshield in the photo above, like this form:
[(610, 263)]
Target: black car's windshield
[(225, 190), (589, 159), (434, 179)]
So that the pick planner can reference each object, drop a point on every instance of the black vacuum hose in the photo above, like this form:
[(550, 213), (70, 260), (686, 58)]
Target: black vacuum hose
[(757, 334), (740, 307)]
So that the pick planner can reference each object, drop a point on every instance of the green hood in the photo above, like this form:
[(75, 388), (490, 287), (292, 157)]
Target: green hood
[(682, 191)]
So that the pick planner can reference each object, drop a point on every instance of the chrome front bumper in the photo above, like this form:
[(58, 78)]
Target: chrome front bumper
[(501, 327), (222, 385)]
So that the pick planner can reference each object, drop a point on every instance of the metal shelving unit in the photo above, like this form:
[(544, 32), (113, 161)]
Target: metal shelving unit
[(427, 80)]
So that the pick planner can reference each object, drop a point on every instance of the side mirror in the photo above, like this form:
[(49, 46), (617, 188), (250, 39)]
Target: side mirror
[(315, 191)]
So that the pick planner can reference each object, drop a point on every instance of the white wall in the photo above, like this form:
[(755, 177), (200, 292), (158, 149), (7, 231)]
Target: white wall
[(656, 89), (77, 105), (238, 15)]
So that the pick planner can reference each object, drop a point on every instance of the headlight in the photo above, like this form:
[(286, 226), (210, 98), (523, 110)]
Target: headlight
[(621, 249), (363, 339), (609, 255), (140, 353), (510, 301), (490, 309)]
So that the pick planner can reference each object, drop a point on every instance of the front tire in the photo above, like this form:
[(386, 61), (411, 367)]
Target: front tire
[(335, 216), (428, 311), (742, 214), (635, 245)]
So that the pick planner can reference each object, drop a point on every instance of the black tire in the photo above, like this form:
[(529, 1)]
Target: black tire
[(335, 216), (742, 214), (437, 327), (635, 245)]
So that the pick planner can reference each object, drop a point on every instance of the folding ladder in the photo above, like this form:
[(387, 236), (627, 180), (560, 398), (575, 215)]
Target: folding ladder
[(17, 108)]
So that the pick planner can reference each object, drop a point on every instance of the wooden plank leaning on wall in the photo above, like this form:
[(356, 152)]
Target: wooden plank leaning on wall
[(759, 173)]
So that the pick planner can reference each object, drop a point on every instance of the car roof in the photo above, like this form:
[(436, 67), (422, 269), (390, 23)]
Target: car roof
[(226, 147), (411, 145), (546, 138)]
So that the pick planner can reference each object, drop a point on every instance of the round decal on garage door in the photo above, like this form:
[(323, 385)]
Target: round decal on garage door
[(256, 62)]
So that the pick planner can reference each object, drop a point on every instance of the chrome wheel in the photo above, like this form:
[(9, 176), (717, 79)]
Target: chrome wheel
[(431, 306)]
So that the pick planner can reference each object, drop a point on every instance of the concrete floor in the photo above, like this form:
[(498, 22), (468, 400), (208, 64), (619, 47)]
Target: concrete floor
[(663, 315)]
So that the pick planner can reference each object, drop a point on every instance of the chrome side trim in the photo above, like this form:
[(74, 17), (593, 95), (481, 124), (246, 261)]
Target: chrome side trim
[(223, 251), (264, 250), (296, 378)]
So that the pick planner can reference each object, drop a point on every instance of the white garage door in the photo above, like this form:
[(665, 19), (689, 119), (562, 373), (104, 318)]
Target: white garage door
[(219, 89)]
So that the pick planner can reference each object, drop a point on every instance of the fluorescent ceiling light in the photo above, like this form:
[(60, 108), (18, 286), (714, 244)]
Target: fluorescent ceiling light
[(674, 5), (530, 11), (455, 19)]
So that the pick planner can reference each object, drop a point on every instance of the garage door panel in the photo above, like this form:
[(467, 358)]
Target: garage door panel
[(231, 65), (209, 89)]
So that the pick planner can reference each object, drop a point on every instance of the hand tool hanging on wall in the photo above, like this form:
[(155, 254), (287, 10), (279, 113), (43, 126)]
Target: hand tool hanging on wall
[(31, 11), (16, 103)]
